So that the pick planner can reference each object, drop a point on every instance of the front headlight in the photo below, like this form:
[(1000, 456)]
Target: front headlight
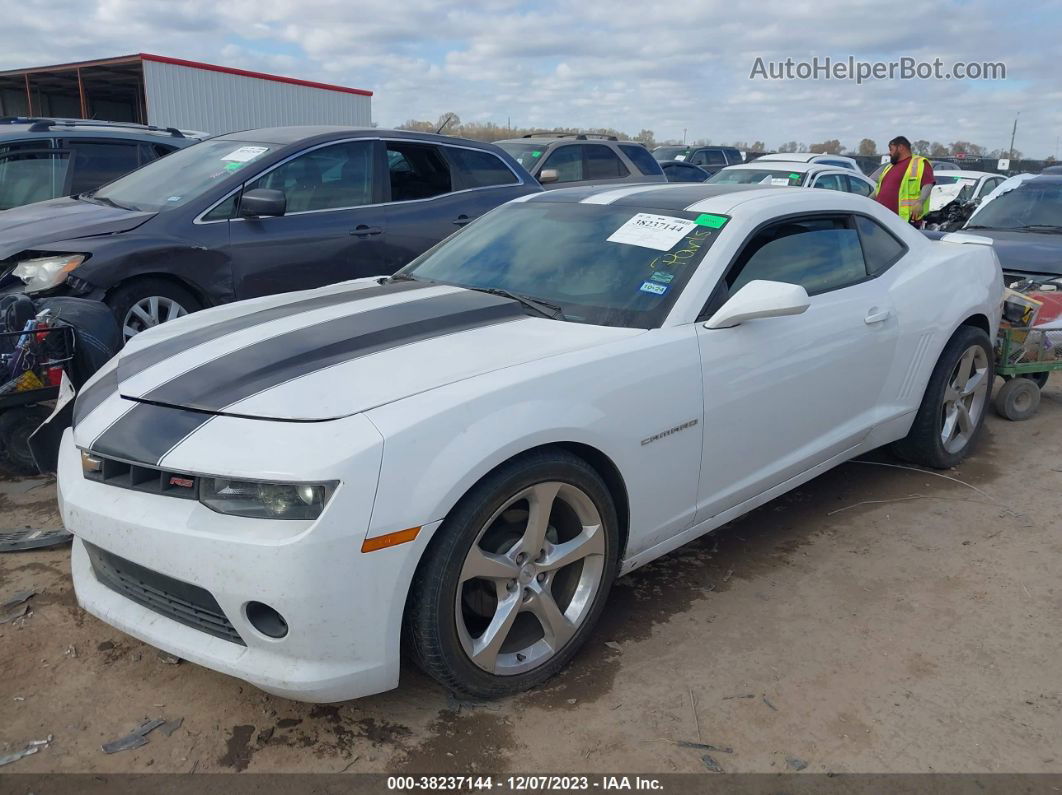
[(40, 273), (265, 500)]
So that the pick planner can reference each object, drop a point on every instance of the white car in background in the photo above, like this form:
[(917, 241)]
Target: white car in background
[(471, 451), (841, 161), (779, 173), (962, 186)]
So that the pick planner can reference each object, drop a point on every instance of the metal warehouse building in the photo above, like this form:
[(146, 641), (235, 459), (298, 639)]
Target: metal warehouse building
[(169, 92)]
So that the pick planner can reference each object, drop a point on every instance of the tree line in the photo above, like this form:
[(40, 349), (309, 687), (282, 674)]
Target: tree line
[(451, 124)]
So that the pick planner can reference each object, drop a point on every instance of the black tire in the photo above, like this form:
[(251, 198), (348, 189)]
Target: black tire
[(16, 427), (923, 444), (1018, 399), (1040, 379), (128, 294), (431, 628)]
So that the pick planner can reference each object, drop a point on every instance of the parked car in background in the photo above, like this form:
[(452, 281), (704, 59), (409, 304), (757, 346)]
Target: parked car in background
[(42, 158), (941, 165), (955, 196), (253, 213), (274, 489), (710, 158), (779, 173), (679, 171), (1023, 219), (565, 160), (841, 161)]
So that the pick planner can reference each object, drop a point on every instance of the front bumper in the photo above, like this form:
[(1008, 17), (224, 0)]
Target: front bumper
[(343, 607)]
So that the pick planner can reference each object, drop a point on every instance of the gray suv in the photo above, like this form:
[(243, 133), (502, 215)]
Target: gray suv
[(43, 159), (565, 160)]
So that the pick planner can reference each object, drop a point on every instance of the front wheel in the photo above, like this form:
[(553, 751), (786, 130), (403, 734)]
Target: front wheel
[(144, 303), (516, 577), (953, 408)]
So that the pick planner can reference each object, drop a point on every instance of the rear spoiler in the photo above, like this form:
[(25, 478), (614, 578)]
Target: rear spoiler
[(968, 239)]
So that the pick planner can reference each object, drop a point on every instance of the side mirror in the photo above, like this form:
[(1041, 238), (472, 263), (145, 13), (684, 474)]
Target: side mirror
[(547, 175), (262, 202), (758, 299)]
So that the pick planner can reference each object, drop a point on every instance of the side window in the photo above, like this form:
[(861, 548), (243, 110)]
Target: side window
[(223, 211), (641, 158), (820, 254), (149, 152), (856, 185), (97, 163), (880, 248), (27, 146), (568, 161), (733, 156), (603, 163), (708, 157), (27, 177), (989, 186), (829, 182), (417, 171), (477, 169), (329, 178)]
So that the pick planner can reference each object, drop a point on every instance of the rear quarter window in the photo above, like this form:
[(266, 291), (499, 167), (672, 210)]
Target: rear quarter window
[(477, 169), (641, 158)]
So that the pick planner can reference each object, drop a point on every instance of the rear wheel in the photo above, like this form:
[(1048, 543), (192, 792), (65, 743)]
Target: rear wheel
[(144, 303), (516, 577), (953, 408)]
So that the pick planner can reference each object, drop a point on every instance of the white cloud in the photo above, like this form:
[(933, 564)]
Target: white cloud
[(596, 63)]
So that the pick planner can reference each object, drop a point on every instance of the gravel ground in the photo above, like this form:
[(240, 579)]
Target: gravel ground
[(876, 619)]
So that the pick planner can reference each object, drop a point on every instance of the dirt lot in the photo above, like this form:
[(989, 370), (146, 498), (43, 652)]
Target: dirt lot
[(877, 619)]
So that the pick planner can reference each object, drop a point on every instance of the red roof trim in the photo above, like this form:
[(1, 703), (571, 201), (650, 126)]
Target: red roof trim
[(260, 75)]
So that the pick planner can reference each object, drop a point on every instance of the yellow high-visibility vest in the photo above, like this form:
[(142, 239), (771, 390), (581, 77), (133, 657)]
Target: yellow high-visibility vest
[(910, 187)]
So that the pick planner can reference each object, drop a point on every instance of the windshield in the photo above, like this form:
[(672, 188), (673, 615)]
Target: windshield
[(181, 177), (603, 265), (758, 176), (1030, 204), (671, 152), (525, 154)]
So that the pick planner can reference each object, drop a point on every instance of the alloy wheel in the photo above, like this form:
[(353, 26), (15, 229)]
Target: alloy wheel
[(530, 578), (964, 399), (149, 312)]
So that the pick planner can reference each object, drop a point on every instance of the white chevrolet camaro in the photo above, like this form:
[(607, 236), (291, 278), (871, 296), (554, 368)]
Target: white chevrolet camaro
[(458, 461)]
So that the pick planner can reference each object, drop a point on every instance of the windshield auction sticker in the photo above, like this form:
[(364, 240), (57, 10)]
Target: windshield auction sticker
[(660, 232), (245, 153)]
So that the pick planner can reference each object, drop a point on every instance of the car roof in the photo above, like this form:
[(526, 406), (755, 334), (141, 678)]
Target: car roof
[(46, 126), (948, 172), (658, 195), (324, 132), (802, 157), (782, 165)]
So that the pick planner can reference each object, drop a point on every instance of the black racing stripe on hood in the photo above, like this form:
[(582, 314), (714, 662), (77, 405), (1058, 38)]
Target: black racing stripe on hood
[(88, 400), (145, 433), (236, 376), (137, 362)]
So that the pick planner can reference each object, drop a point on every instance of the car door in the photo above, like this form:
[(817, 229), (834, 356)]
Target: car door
[(425, 205), (333, 227), (857, 185), (782, 395)]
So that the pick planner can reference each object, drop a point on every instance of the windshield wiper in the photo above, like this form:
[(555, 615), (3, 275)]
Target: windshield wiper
[(400, 277), (103, 200), (1049, 228), (544, 308)]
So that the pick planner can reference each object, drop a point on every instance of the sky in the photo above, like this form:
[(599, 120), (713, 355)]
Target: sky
[(675, 68)]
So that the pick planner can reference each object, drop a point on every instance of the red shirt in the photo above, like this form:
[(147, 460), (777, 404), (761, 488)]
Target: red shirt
[(889, 195)]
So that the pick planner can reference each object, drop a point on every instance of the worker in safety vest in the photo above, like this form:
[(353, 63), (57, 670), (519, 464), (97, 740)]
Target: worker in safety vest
[(905, 183)]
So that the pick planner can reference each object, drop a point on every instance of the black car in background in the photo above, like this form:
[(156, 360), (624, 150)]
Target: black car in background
[(254, 213), (1024, 222), (43, 158), (678, 171), (711, 158)]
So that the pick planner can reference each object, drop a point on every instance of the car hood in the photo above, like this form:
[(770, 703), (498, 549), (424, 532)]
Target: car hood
[(337, 351), (36, 225), (1026, 252)]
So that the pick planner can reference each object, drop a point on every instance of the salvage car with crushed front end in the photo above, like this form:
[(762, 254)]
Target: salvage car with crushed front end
[(458, 461)]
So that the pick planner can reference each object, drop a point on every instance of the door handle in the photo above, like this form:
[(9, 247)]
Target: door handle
[(363, 230), (876, 315), (461, 220)]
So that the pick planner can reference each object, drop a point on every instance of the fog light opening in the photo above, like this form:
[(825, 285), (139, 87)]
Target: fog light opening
[(266, 620)]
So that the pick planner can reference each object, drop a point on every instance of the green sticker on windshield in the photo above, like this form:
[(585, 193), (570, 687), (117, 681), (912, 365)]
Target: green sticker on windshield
[(233, 166), (536, 153), (709, 220), (794, 176)]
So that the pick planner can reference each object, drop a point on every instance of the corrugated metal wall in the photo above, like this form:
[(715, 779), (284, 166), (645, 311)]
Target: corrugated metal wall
[(216, 102)]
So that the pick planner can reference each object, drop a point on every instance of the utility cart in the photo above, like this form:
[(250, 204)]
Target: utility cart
[(1024, 375)]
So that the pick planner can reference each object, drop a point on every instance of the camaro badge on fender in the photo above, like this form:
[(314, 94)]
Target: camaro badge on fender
[(669, 431)]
